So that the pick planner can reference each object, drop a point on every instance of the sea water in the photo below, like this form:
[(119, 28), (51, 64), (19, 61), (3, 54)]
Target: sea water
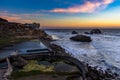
[(103, 52)]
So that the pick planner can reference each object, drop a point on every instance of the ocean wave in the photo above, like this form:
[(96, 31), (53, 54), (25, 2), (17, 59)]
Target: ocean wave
[(102, 52)]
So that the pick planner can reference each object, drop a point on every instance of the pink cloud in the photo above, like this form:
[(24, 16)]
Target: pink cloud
[(23, 17), (8, 16), (15, 17), (87, 7)]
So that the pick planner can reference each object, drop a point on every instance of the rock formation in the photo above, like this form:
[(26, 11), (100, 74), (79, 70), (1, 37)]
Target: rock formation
[(81, 38), (74, 32), (95, 31), (86, 32)]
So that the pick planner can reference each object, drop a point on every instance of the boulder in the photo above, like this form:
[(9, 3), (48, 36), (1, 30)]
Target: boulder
[(74, 32), (81, 38), (95, 31), (86, 32)]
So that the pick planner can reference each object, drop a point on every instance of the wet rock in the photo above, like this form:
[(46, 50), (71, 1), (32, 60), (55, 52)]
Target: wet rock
[(94, 74), (81, 38), (95, 31), (86, 32), (58, 49), (74, 32), (48, 37)]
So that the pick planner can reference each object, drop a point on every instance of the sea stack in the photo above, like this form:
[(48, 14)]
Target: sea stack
[(81, 38), (74, 32), (95, 31)]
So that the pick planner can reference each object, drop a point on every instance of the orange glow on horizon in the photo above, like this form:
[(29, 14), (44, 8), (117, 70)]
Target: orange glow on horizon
[(74, 23), (82, 24)]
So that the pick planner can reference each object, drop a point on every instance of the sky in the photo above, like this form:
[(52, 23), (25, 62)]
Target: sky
[(63, 13)]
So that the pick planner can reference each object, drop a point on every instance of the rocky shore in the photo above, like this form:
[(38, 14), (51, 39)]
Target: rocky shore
[(92, 72)]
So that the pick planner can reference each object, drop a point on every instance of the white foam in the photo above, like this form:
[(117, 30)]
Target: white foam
[(54, 37), (103, 51)]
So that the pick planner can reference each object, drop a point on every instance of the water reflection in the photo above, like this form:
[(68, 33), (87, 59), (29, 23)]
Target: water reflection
[(22, 48)]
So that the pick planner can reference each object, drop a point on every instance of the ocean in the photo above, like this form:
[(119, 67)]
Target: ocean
[(103, 52)]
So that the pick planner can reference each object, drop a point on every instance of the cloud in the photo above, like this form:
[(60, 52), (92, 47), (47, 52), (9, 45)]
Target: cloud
[(87, 7), (9, 17), (24, 18)]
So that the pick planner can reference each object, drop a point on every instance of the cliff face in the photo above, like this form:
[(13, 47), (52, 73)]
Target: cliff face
[(18, 29), (12, 32)]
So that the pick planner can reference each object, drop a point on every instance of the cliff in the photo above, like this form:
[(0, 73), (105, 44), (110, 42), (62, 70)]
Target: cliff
[(12, 32)]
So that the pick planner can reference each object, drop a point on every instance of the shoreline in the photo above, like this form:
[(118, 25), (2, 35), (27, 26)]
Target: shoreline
[(92, 73)]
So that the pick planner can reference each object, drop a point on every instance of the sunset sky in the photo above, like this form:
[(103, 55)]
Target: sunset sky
[(63, 13)]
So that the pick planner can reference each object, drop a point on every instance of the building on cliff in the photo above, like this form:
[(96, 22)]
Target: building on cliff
[(13, 28), (35, 26)]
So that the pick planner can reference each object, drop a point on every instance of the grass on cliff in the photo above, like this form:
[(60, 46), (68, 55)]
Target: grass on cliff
[(9, 40)]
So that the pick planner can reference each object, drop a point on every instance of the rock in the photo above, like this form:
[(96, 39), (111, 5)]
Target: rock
[(95, 31), (81, 38), (18, 64), (74, 32), (48, 37), (58, 50), (89, 78), (86, 32)]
